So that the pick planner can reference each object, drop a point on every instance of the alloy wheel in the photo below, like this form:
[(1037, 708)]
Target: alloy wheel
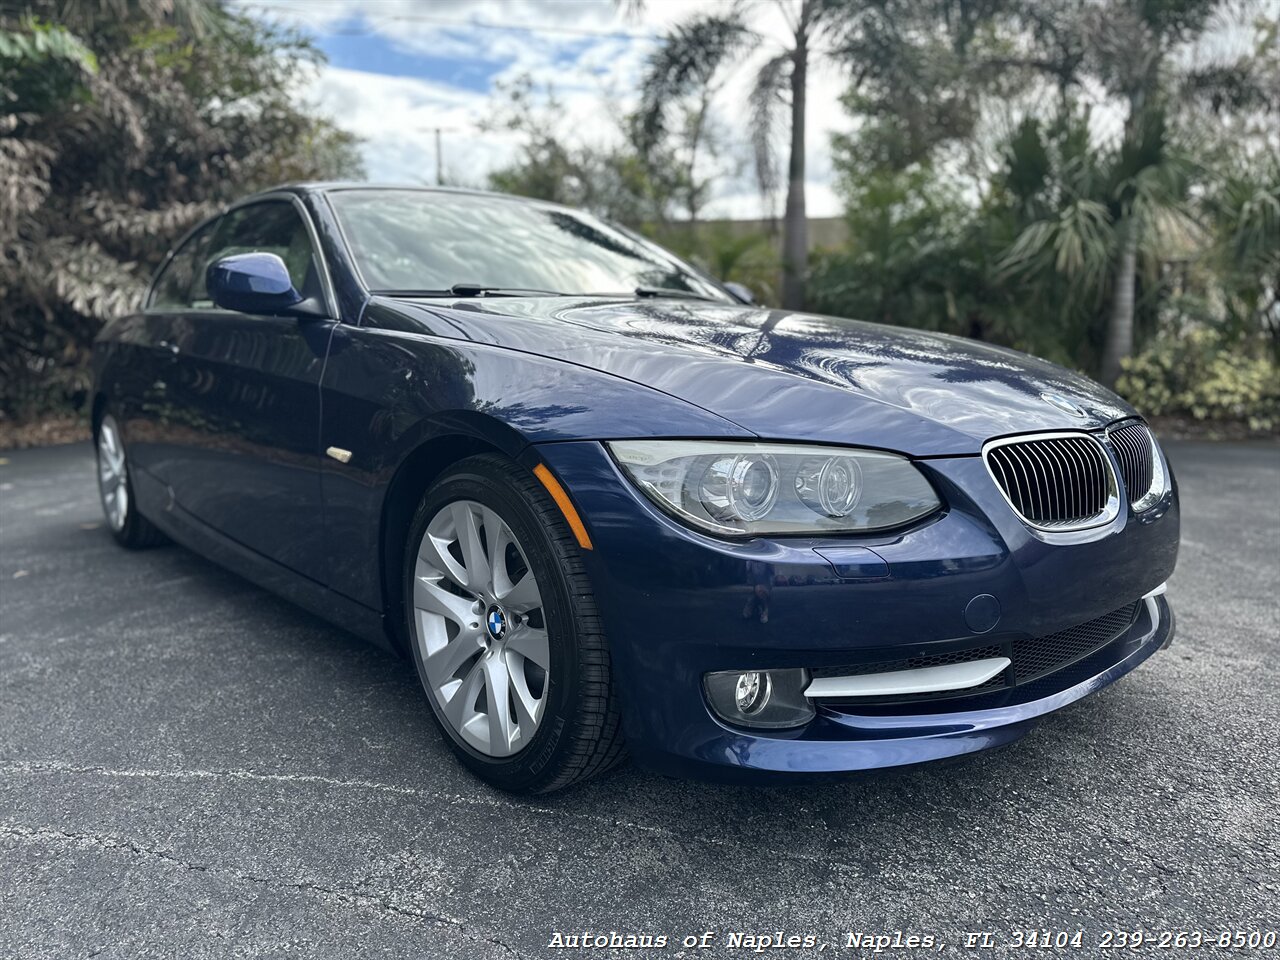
[(480, 629), (112, 475)]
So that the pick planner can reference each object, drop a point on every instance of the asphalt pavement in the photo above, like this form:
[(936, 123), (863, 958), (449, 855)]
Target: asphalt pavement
[(191, 767)]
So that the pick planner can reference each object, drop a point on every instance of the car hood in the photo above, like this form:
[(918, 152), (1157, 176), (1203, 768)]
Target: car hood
[(789, 375)]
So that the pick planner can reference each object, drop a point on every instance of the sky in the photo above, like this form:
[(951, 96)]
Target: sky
[(399, 69)]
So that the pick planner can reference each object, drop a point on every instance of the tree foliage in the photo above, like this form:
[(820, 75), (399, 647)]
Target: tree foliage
[(122, 122), (1065, 176), (609, 177)]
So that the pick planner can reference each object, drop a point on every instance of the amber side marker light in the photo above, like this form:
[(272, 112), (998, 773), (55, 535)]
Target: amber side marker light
[(564, 503)]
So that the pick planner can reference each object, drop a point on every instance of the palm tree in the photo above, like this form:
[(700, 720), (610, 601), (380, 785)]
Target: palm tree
[(122, 122), (694, 52), (1244, 208), (1089, 222), (685, 67), (880, 42), (1140, 53)]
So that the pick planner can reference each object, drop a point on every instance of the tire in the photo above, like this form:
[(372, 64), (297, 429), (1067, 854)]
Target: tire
[(538, 642), (115, 489)]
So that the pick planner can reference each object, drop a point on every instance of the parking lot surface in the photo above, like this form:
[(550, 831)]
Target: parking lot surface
[(191, 767)]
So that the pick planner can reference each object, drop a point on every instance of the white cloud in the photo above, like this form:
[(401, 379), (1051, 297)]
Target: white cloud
[(588, 51), (396, 117)]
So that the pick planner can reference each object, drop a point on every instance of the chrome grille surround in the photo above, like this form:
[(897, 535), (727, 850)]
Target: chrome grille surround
[(1143, 474), (1055, 481)]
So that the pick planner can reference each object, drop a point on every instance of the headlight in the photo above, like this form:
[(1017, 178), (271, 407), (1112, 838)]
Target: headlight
[(743, 488)]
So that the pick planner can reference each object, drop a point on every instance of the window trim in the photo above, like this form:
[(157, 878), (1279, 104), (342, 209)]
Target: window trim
[(274, 196)]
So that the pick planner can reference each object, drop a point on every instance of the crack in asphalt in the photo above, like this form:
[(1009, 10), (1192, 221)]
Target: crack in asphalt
[(105, 843), (36, 768)]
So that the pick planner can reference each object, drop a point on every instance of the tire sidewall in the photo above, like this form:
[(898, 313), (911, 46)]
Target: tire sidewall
[(125, 534), (481, 480)]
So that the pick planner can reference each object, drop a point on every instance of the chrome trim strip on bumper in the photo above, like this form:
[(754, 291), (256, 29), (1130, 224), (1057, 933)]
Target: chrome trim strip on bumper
[(955, 676)]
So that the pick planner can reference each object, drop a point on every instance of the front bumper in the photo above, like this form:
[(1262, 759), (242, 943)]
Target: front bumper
[(677, 605)]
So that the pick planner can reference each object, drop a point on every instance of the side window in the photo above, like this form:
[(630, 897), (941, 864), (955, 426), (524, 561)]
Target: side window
[(174, 287), (273, 226)]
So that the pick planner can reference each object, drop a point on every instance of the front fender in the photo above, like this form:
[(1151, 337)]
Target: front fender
[(405, 403)]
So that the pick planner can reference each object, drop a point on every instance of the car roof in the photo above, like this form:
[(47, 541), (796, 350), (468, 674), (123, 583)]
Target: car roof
[(303, 187)]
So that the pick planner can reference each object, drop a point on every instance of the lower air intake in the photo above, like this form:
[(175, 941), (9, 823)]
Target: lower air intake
[(1032, 659)]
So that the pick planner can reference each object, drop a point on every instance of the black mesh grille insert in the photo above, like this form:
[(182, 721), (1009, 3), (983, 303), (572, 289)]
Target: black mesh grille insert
[(1132, 444), (1055, 481), (1032, 658), (1036, 656), (914, 663)]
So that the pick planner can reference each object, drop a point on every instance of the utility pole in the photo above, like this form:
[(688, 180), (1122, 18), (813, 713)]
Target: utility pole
[(438, 134)]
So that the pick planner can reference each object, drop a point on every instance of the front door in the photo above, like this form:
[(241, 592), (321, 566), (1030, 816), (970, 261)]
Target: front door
[(247, 390)]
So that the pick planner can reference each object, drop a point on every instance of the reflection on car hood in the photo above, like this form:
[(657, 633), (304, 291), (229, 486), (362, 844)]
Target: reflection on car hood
[(790, 375)]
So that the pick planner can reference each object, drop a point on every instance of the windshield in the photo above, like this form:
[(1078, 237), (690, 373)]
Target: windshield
[(430, 241)]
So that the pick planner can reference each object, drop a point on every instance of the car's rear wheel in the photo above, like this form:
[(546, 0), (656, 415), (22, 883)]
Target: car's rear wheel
[(115, 487), (505, 632)]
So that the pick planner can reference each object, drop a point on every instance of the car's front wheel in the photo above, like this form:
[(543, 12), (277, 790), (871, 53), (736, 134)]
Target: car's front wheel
[(115, 487), (505, 632)]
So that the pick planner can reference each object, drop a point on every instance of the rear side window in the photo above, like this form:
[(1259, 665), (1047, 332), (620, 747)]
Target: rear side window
[(175, 286)]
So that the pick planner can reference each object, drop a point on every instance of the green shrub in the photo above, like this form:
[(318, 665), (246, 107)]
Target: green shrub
[(121, 126), (1197, 375), (745, 256)]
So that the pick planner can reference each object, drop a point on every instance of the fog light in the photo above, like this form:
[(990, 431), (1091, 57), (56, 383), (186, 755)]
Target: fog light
[(771, 699), (751, 692)]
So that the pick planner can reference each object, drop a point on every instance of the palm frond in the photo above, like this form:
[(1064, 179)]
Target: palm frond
[(1245, 210), (765, 99), (1077, 244), (24, 180), (196, 17), (1084, 241), (685, 61)]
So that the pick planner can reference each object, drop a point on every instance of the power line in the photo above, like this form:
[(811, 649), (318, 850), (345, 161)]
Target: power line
[(375, 18)]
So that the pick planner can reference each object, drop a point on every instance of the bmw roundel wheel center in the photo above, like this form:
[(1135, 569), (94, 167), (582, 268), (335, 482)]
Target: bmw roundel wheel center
[(609, 508)]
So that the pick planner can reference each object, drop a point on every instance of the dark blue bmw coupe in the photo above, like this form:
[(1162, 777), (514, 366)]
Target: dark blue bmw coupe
[(607, 506)]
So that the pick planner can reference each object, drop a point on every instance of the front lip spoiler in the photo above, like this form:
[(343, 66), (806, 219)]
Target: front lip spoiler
[(860, 743)]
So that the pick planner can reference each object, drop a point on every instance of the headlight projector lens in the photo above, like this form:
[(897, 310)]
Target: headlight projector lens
[(830, 487), (740, 488)]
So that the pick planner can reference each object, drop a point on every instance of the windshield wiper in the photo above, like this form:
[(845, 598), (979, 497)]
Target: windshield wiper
[(479, 290), (472, 290), (652, 292)]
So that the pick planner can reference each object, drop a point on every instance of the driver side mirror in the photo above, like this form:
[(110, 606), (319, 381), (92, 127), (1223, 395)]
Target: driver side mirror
[(258, 283), (741, 292)]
